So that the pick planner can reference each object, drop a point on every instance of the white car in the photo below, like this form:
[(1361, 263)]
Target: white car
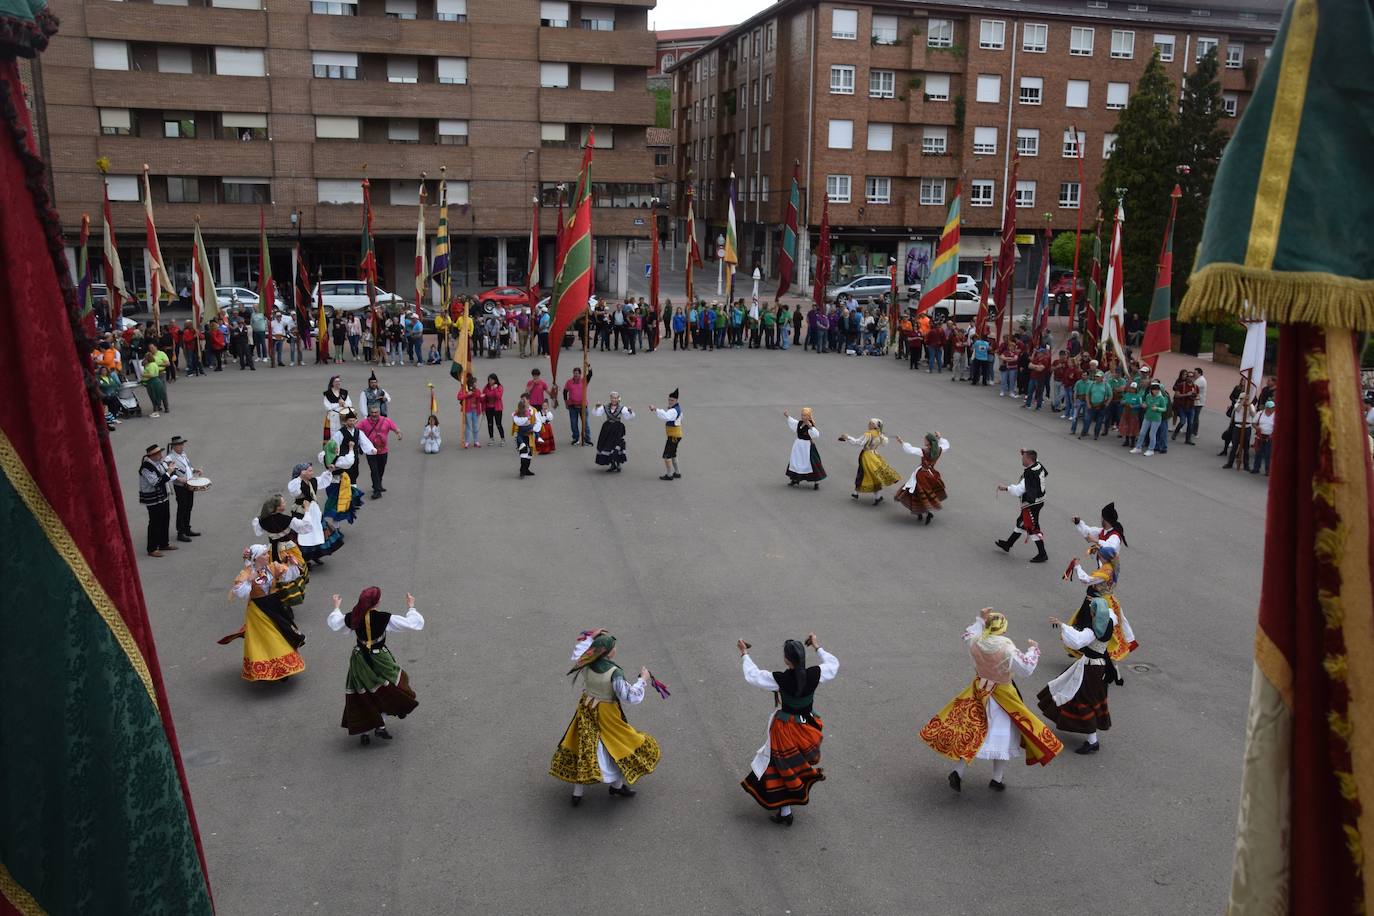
[(965, 283), (233, 296), (351, 295), (962, 306)]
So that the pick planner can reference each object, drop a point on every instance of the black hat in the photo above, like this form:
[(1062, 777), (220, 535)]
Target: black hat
[(176, 440), (1109, 513), (673, 394), (372, 377), (151, 450)]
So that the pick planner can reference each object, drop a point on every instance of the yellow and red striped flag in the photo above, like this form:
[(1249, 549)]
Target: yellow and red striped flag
[(944, 279)]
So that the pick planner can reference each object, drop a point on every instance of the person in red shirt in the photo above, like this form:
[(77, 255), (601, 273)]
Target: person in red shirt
[(377, 427), (1058, 369), (536, 389), (471, 400), (493, 403), (217, 345), (575, 397), (1008, 352), (935, 347), (1039, 378)]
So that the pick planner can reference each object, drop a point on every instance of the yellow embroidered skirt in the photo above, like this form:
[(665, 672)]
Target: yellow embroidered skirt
[(959, 730), (267, 656), (1123, 641), (601, 728), (874, 473)]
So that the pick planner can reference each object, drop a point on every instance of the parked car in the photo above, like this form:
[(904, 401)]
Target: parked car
[(1062, 289), (962, 306), (351, 296), (868, 288), (506, 296), (100, 296), (236, 297)]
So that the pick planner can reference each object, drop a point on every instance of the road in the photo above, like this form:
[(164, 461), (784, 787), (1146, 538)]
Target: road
[(458, 814)]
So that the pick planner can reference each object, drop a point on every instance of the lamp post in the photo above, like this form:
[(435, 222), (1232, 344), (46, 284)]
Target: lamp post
[(720, 265)]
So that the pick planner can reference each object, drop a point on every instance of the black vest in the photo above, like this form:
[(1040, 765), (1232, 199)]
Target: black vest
[(796, 699), (378, 621), (804, 431)]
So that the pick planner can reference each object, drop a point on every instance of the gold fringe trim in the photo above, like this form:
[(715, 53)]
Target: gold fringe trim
[(16, 896), (1222, 291)]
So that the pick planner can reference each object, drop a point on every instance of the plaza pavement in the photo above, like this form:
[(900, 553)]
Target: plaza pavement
[(458, 814)]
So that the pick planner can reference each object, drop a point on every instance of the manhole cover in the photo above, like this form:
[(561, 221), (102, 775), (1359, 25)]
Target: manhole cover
[(1142, 669)]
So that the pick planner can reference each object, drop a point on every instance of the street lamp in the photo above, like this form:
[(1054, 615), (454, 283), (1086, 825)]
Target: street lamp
[(720, 265)]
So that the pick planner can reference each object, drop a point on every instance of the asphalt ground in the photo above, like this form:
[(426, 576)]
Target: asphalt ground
[(458, 814)]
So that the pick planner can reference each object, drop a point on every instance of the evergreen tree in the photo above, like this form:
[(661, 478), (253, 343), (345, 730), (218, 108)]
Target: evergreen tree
[(1145, 163), (1061, 250), (1201, 140)]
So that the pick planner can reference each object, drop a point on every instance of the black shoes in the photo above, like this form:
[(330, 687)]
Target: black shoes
[(782, 820), (930, 517), (815, 486), (383, 733), (1040, 555), (623, 792), (576, 800), (666, 477), (376, 496), (996, 786), (1006, 545), (955, 782), (792, 483), (1086, 748), (365, 740), (183, 538), (194, 534), (676, 475)]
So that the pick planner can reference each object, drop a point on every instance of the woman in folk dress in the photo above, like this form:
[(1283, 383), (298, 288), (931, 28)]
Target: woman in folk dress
[(375, 686), (804, 464), (924, 490), (874, 472), (610, 442)]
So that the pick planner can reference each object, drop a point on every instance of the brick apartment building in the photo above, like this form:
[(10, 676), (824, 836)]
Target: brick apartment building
[(886, 106), (677, 44), (287, 104)]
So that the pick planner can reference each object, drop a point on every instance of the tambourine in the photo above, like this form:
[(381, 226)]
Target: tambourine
[(197, 483)]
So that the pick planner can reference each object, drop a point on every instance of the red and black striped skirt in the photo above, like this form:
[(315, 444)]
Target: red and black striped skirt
[(793, 764)]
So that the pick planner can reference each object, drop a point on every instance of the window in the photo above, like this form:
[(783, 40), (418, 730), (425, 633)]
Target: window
[(343, 191), (553, 134), (992, 34), (1123, 44), (243, 126), (1076, 94), (404, 193), (250, 190), (452, 70), (403, 130), (1118, 94), (882, 84), (989, 88), (836, 188), (109, 55), (1138, 8), (1032, 90), (660, 159), (884, 30), (772, 41), (330, 127), (768, 88), (940, 33), (932, 192), (878, 190), (754, 141), (331, 8), (937, 87), (458, 193), (452, 132), (668, 61), (844, 24), (116, 122), (1035, 38), (764, 195), (984, 141), (981, 193), (880, 137), (173, 60), (452, 10), (1080, 42), (1235, 56), (402, 70), (1230, 103), (1108, 145), (183, 190), (1025, 194), (554, 14), (122, 187), (934, 141), (1074, 144), (756, 96), (598, 18), (169, 3), (400, 9), (767, 138), (595, 79), (1204, 47), (178, 125), (335, 65), (554, 76), (841, 80), (1028, 141), (1164, 46), (841, 134), (1068, 195), (240, 62), (1097, 4)]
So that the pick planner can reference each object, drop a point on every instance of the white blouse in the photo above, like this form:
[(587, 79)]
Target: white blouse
[(411, 620), (245, 588), (753, 674)]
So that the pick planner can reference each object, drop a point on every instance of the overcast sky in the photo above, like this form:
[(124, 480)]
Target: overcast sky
[(688, 14)]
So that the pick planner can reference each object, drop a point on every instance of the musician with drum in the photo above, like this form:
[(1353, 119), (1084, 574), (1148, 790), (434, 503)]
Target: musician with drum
[(186, 481)]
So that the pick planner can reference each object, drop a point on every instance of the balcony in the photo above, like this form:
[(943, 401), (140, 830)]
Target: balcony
[(184, 25), (190, 157), (632, 222), (378, 99), (346, 159), (891, 57), (578, 106), (180, 91), (618, 165), (918, 164), (379, 35), (629, 47)]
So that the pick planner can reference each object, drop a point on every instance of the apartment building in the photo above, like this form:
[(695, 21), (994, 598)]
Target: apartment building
[(884, 107), (285, 105), (676, 44)]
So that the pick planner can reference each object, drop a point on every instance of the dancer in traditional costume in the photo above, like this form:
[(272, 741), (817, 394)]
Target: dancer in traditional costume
[(599, 746), (1030, 489), (336, 401), (1076, 701), (281, 531), (804, 464), (524, 426), (1105, 544), (269, 632), (376, 686), (610, 442), (340, 457), (788, 763), (322, 537), (543, 440), (924, 490), (672, 429), (988, 720), (874, 472)]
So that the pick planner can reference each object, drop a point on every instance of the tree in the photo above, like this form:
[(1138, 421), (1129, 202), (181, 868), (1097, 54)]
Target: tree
[(1061, 250), (1144, 163), (663, 106), (1201, 140)]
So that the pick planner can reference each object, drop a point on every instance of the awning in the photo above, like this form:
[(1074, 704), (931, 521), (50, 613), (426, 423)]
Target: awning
[(978, 247)]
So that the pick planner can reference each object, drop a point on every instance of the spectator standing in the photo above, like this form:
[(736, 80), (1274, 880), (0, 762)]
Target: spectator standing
[(354, 328), (377, 428), (1007, 354), (1264, 434), (153, 368), (257, 322), (1039, 371), (935, 347), (575, 397), (278, 338), (982, 360), (493, 403)]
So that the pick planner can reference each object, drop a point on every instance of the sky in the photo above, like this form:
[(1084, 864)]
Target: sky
[(691, 14)]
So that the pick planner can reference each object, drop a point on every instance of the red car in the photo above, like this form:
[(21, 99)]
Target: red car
[(507, 296)]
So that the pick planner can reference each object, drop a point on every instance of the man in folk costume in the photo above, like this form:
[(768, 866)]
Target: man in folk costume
[(374, 394), (1105, 544), (340, 457), (375, 686), (1076, 701), (281, 529), (182, 471), (924, 491), (672, 428), (336, 401), (874, 473), (804, 464), (1030, 489), (153, 477), (269, 632), (988, 720), (525, 424), (610, 442), (319, 539), (599, 745), (788, 763)]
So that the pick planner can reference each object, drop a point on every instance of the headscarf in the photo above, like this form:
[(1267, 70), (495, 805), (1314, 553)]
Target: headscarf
[(296, 471), (995, 625), (875, 431), (252, 552), (368, 599), (595, 657), (992, 651), (932, 446)]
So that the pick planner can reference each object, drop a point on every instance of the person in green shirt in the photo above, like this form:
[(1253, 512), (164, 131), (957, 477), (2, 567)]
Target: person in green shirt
[(722, 319), (153, 367), (770, 329), (1156, 404), (1118, 382), (784, 328), (1099, 400), (1080, 404)]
